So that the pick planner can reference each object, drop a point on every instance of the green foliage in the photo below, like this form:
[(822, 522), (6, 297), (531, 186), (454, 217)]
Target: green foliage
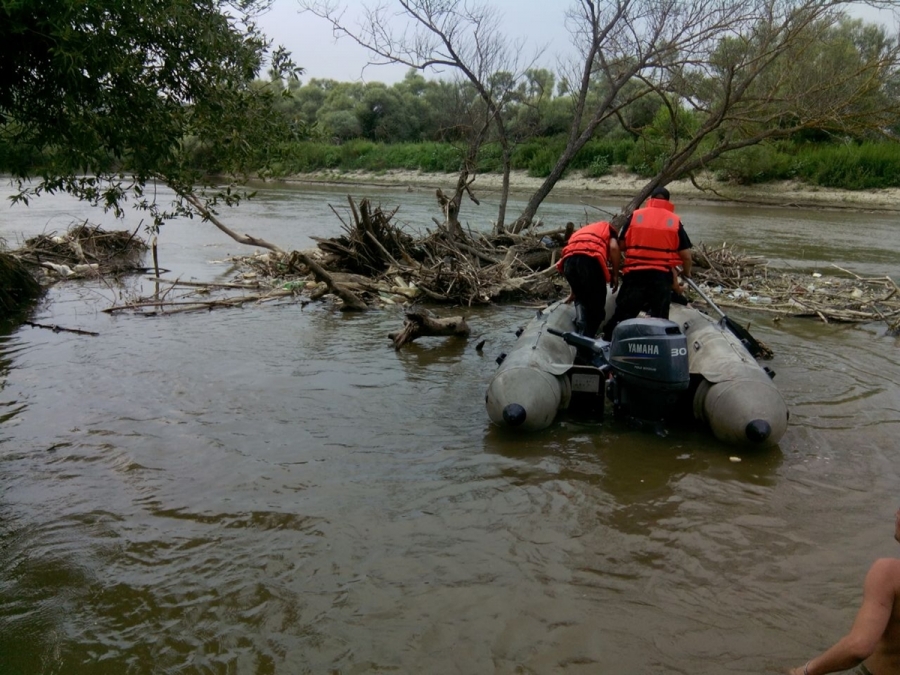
[(362, 155), (853, 167), (543, 160), (490, 158), (809, 76), (598, 168), (756, 164), (114, 88), (538, 156), (434, 157), (646, 158), (99, 97), (341, 125), (848, 166), (597, 157), (673, 126)]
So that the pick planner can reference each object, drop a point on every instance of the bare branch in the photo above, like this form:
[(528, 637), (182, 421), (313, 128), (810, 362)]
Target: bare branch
[(458, 36), (750, 70)]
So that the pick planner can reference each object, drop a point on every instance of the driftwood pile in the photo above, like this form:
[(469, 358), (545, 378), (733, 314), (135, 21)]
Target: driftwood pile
[(483, 269), (746, 282), (475, 269), (84, 251), (374, 263)]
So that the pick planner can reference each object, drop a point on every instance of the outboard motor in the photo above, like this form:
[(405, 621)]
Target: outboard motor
[(649, 369), (645, 369)]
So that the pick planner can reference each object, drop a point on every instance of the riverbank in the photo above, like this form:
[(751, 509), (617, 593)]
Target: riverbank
[(624, 186)]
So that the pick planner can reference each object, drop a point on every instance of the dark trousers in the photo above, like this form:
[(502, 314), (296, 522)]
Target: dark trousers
[(585, 276), (643, 290)]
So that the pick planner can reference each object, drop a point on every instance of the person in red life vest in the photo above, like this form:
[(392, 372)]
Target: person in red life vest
[(654, 244), (590, 261)]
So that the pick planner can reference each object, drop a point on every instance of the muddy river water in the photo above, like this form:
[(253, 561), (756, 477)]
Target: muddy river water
[(275, 490)]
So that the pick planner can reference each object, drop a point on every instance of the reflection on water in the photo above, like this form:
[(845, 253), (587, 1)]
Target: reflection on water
[(276, 490)]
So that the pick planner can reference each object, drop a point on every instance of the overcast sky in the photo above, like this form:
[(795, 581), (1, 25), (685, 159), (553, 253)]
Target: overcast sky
[(310, 40)]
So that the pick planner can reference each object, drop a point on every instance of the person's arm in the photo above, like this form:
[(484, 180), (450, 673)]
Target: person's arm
[(615, 261), (686, 262), (684, 250), (867, 629), (676, 282), (620, 236)]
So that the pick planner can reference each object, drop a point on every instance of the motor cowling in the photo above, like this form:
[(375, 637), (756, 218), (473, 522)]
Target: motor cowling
[(650, 369)]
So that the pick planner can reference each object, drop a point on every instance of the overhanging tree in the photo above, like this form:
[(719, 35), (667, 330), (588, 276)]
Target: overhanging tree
[(99, 98), (811, 68), (672, 51)]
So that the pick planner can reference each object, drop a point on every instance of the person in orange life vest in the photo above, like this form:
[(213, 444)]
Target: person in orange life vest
[(585, 263), (654, 244)]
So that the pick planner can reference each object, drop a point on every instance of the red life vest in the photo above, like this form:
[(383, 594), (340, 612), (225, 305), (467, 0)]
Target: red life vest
[(651, 238), (592, 240)]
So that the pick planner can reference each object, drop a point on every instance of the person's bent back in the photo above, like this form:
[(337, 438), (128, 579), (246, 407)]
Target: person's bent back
[(654, 243), (590, 261)]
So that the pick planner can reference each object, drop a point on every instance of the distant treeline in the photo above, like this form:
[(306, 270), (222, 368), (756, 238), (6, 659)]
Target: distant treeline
[(849, 165), (416, 124)]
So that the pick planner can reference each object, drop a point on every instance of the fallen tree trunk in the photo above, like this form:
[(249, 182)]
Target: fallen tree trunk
[(351, 301), (421, 324), (247, 239)]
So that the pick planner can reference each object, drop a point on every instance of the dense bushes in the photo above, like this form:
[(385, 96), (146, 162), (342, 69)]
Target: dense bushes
[(757, 164), (850, 166), (360, 155), (853, 167), (595, 159)]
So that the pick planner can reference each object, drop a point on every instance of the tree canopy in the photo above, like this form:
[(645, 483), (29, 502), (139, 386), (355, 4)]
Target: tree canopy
[(97, 98)]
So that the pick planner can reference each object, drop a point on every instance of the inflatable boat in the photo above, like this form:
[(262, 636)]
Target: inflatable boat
[(651, 372)]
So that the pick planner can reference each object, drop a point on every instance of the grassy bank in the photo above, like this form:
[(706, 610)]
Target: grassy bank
[(850, 166)]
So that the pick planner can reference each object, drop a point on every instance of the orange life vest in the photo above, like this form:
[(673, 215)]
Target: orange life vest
[(592, 240), (651, 238)]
